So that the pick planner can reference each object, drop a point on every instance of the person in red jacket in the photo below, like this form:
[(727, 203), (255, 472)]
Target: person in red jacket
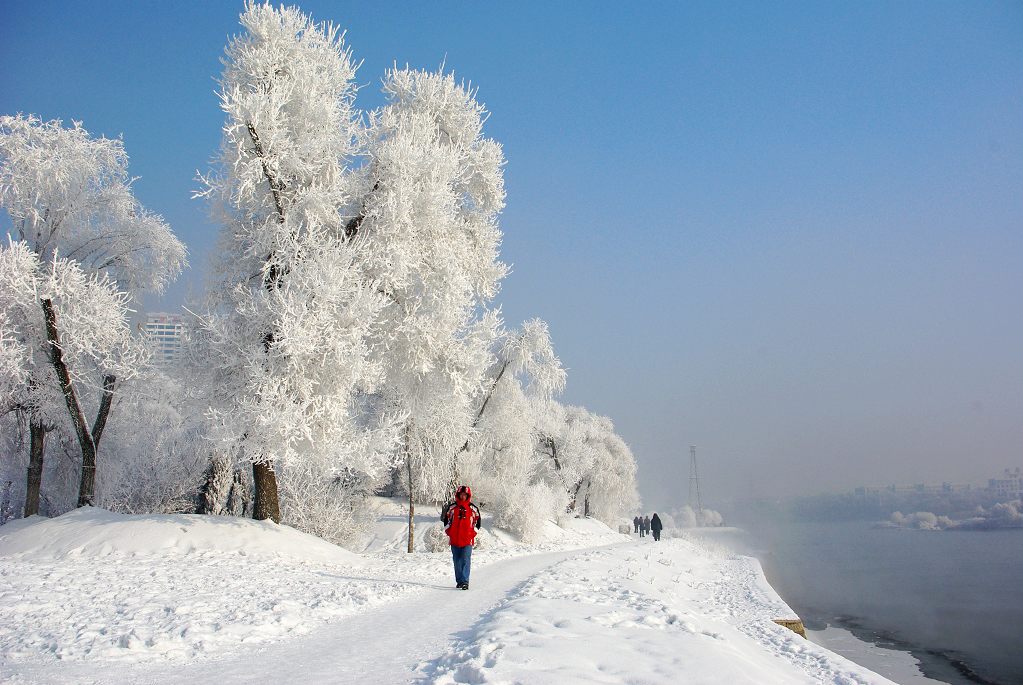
[(461, 521)]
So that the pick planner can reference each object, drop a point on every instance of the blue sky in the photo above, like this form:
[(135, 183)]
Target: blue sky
[(791, 234)]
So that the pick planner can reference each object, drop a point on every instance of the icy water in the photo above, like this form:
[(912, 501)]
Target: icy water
[(954, 599)]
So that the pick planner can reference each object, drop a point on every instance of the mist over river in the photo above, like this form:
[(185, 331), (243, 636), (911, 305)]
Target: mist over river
[(954, 599)]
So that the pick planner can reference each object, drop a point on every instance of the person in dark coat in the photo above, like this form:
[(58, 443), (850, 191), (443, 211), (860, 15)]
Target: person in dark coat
[(461, 520), (635, 524), (655, 526)]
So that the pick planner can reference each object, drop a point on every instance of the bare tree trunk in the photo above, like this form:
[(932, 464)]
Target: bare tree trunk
[(87, 440), (87, 488), (109, 381), (267, 504), (37, 449)]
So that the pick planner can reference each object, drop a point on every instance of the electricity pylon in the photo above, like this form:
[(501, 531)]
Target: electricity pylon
[(694, 480)]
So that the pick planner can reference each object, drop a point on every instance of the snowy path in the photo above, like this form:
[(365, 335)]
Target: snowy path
[(382, 645), (385, 645)]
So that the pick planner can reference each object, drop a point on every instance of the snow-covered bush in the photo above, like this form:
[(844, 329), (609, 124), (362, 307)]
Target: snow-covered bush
[(687, 517), (329, 505), (436, 540), (160, 469), (525, 512)]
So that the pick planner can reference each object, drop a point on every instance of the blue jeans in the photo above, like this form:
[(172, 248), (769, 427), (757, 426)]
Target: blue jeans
[(462, 556)]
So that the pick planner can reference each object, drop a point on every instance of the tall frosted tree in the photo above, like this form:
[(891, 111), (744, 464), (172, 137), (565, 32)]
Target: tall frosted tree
[(287, 343), (433, 190), (94, 246)]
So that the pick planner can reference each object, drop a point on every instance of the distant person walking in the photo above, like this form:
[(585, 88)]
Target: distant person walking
[(655, 526), (646, 524), (635, 524), (461, 521)]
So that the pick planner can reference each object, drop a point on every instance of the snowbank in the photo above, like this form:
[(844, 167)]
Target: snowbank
[(94, 585), (91, 532)]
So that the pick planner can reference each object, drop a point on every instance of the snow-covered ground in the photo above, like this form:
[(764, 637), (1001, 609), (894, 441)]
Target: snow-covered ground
[(95, 597)]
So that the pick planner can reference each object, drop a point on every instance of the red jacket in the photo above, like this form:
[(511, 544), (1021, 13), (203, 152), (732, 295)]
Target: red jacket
[(461, 521)]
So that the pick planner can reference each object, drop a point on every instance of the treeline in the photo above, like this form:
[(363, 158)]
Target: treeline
[(349, 341)]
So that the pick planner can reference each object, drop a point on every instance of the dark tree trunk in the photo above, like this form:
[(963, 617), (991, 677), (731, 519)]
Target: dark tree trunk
[(267, 504), (411, 490), (554, 454), (87, 440), (37, 448), (109, 381)]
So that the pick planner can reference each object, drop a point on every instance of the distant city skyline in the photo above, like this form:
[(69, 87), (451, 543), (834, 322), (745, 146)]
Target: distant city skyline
[(788, 234)]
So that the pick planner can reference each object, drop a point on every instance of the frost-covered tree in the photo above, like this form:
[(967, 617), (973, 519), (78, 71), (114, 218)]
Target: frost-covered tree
[(69, 198), (526, 356), (566, 438), (428, 233), (59, 370), (287, 342), (499, 455), (586, 459)]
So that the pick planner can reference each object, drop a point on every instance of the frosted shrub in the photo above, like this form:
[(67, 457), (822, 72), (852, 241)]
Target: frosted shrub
[(160, 469), (525, 513), (436, 540), (319, 502)]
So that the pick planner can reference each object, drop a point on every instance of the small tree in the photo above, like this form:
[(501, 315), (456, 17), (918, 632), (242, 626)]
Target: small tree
[(584, 457), (70, 199), (94, 345)]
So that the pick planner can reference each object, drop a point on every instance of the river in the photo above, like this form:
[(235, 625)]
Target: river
[(954, 599)]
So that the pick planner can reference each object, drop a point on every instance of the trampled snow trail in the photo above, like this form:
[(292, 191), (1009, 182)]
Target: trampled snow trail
[(382, 645), (387, 644)]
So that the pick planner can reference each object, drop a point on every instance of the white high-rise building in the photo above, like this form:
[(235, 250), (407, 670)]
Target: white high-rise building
[(167, 333)]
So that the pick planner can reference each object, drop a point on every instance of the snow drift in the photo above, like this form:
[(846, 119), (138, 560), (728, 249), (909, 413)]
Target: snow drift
[(91, 532)]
